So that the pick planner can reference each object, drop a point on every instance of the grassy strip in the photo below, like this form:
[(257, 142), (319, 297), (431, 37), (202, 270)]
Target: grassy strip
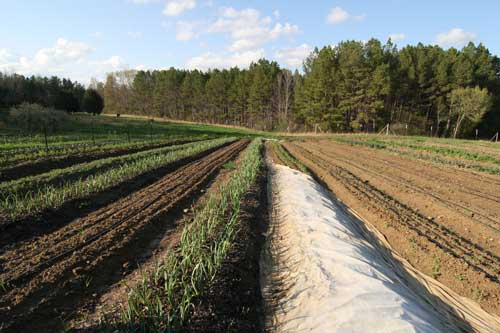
[(51, 196), (287, 158), (162, 300), (417, 155)]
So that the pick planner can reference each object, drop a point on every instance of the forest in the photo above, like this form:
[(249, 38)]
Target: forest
[(53, 92), (353, 86)]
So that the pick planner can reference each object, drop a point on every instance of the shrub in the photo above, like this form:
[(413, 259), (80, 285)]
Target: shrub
[(36, 118)]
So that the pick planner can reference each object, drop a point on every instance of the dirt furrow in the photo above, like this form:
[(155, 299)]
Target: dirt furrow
[(28, 228), (435, 192), (67, 261), (490, 263), (480, 216), (391, 213), (466, 187)]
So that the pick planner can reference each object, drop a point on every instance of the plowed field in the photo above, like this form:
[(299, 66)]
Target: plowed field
[(445, 221), (50, 276)]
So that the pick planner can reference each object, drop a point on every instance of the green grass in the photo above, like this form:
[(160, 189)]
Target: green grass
[(163, 299), (107, 128), (231, 165), (85, 132), (19, 203)]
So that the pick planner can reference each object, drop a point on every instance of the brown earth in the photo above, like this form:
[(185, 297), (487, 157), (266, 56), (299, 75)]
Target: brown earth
[(26, 228), (444, 221), (48, 278), (271, 154), (99, 314), (32, 168)]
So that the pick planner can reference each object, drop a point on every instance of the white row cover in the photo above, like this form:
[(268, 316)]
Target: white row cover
[(330, 278)]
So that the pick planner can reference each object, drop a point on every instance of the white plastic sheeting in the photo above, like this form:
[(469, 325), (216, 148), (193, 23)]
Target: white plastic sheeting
[(325, 277)]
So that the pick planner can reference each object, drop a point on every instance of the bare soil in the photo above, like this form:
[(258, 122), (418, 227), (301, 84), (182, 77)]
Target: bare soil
[(99, 314), (444, 221), (29, 227), (50, 277)]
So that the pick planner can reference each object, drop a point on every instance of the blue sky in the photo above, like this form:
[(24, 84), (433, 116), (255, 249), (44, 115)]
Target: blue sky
[(84, 39)]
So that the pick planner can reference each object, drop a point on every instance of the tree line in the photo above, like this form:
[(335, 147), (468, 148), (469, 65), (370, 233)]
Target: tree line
[(350, 87), (49, 93)]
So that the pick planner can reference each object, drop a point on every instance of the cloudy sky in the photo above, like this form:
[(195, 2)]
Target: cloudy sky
[(83, 39)]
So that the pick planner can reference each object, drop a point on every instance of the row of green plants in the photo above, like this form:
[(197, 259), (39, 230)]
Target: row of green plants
[(434, 158), (438, 150), (449, 151), (287, 158), (17, 203), (163, 299), (56, 176), (17, 155)]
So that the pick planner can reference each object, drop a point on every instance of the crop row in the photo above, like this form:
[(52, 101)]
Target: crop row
[(34, 194), (437, 155), (287, 158), (162, 300), (55, 176), (16, 155)]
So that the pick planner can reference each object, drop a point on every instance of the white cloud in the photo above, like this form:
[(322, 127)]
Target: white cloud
[(135, 34), (47, 60), (63, 51), (249, 29), (455, 37), (177, 7), (294, 56), (276, 14), (243, 44), (185, 30), (338, 15), (5, 56), (65, 59), (397, 37), (210, 60), (113, 63)]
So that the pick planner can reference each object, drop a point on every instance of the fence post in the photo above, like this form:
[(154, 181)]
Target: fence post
[(151, 130), (46, 141), (387, 130), (92, 130), (477, 132)]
